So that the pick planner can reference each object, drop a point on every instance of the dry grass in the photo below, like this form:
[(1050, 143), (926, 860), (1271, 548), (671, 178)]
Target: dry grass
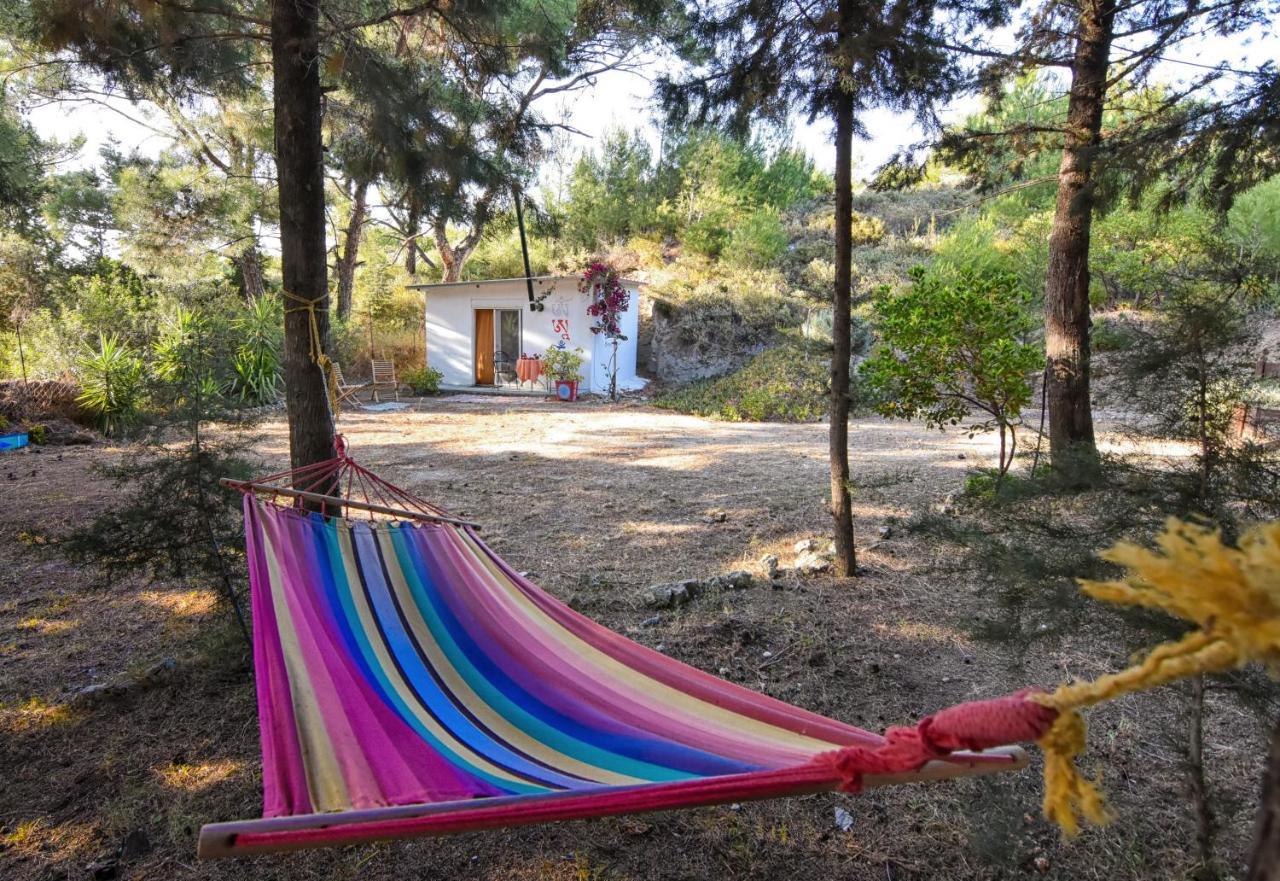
[(598, 502)]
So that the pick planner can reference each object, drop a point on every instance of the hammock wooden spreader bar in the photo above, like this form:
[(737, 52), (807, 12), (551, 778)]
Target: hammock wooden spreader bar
[(338, 502), (282, 834), (412, 683)]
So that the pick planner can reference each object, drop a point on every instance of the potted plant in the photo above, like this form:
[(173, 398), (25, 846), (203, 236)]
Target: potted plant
[(564, 368)]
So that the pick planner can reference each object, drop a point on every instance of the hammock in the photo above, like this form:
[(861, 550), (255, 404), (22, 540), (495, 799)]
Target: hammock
[(411, 683)]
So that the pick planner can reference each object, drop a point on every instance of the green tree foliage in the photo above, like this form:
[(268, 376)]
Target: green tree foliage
[(952, 343), (705, 187), (1253, 223), (611, 194), (24, 159)]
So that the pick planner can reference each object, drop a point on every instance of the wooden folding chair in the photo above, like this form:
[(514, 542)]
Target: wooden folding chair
[(384, 375), (346, 390)]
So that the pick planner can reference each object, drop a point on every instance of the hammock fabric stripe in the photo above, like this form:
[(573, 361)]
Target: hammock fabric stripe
[(404, 663), (411, 683)]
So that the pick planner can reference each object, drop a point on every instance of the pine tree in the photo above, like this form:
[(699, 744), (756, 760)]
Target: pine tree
[(836, 59), (216, 47), (1109, 51)]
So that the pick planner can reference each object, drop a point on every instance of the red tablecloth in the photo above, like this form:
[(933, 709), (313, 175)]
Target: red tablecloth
[(528, 369)]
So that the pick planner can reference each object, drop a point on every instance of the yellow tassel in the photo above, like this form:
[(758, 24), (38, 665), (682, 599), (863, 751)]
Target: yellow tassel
[(1232, 594), (1067, 795)]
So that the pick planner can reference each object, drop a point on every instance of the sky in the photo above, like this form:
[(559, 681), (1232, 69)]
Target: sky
[(620, 99)]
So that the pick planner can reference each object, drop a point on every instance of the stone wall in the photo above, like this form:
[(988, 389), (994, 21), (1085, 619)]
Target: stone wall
[(684, 348)]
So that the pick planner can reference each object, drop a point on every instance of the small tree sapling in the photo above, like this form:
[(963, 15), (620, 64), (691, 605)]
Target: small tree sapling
[(952, 343)]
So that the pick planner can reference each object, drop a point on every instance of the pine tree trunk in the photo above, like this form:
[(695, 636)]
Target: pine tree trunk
[(300, 172), (841, 504), (1067, 322), (351, 249), (249, 262), (1264, 862), (453, 257), (1196, 785), (450, 265)]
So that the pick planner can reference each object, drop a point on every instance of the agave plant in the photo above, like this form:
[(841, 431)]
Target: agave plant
[(111, 384), (257, 360)]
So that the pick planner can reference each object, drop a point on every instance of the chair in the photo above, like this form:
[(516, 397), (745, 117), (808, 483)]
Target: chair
[(384, 375), (504, 366), (346, 390)]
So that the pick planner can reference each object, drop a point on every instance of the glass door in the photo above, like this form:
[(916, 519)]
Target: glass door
[(506, 344)]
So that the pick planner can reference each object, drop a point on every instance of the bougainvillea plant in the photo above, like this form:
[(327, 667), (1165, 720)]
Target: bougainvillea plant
[(609, 299)]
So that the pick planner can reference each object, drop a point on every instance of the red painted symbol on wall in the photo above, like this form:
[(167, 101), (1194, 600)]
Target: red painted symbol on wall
[(560, 326)]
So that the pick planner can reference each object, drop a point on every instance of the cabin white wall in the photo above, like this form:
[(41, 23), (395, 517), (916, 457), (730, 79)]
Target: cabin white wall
[(627, 350), (450, 327)]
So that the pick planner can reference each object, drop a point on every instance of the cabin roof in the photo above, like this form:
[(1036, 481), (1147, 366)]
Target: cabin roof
[(537, 279)]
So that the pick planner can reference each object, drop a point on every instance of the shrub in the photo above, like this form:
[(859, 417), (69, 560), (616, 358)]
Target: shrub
[(952, 342), (1111, 334), (256, 363), (563, 364), (787, 383), (111, 383), (758, 241), (423, 380)]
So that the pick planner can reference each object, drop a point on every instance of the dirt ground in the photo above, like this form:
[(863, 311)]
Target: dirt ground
[(596, 502)]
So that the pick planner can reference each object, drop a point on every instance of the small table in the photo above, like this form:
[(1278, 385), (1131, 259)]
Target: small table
[(528, 370)]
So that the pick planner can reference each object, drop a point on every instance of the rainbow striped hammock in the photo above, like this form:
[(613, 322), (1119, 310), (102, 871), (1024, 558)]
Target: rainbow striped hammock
[(411, 683)]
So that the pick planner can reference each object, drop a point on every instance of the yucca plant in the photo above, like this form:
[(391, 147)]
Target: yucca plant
[(111, 385), (256, 363)]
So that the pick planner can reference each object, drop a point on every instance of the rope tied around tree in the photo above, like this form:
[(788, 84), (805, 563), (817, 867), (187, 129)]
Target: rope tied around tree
[(317, 353), (1231, 594)]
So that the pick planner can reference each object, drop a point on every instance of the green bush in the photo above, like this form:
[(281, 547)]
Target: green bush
[(1112, 335), (759, 241), (257, 361), (111, 383), (952, 343), (788, 383), (563, 364), (423, 380)]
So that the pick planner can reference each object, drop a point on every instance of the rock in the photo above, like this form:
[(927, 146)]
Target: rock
[(961, 456), (104, 870), (135, 844), (651, 622), (671, 594), (159, 672), (886, 531), (738, 579), (769, 563), (715, 517), (811, 563), (844, 819), (804, 546)]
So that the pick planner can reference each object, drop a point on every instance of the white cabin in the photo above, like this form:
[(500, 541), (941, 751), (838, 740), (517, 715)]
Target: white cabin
[(475, 330)]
